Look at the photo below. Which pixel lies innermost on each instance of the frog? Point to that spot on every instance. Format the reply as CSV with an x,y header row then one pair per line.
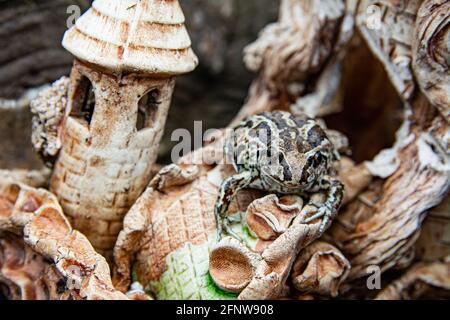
x,y
281,153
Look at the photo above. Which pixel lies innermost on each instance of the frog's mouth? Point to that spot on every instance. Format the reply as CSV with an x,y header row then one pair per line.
x,y
269,177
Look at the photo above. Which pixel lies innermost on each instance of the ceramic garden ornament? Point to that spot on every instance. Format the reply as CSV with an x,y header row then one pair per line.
x,y
127,54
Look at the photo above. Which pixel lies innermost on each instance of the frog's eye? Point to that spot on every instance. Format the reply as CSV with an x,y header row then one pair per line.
x,y
317,160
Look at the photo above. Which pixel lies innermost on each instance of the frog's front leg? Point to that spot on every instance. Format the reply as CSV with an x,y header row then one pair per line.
x,y
228,190
329,208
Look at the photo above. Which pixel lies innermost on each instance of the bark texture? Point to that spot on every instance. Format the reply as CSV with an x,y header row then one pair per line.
x,y
30,38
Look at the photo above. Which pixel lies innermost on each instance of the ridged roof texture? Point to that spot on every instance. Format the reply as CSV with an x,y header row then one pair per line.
x,y
146,36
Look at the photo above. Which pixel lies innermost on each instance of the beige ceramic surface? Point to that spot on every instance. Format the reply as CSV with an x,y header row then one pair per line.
x,y
129,35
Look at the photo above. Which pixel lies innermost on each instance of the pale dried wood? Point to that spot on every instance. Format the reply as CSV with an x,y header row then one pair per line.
x,y
431,53
423,280
291,53
386,238
387,27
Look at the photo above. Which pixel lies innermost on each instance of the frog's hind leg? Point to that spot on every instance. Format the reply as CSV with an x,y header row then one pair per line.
x,y
329,208
227,192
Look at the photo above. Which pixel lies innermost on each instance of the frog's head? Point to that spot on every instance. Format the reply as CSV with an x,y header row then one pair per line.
x,y
316,155
304,156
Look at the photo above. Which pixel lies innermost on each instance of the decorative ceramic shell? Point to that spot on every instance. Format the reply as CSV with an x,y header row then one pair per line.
x,y
145,36
320,269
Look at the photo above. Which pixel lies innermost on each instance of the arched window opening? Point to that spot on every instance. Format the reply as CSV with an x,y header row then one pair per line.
x,y
83,104
147,109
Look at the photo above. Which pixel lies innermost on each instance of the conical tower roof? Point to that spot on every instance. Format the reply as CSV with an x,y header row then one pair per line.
x,y
145,36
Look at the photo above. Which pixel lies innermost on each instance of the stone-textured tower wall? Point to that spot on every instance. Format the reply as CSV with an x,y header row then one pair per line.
x,y
128,52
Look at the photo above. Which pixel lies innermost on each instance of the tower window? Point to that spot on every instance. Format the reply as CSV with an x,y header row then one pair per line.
x,y
83,101
148,109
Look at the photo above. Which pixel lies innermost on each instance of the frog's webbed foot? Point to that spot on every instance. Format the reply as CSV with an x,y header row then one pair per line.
x,y
226,226
328,210
227,192
322,212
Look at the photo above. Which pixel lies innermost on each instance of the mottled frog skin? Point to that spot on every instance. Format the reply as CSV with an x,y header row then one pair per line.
x,y
284,154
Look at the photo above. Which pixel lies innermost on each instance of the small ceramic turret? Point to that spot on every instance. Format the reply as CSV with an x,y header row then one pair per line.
x,y
126,56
